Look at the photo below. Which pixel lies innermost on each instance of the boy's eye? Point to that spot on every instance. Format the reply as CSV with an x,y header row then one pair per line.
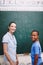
x,y
33,35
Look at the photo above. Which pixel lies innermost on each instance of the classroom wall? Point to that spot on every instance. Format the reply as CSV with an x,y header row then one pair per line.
x,y
26,22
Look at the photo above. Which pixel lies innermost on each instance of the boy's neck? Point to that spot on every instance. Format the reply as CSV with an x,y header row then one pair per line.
x,y
36,40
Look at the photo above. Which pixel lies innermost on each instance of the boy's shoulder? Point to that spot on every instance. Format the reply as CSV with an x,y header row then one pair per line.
x,y
37,44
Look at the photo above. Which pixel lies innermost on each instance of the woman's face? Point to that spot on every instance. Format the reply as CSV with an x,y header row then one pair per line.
x,y
12,28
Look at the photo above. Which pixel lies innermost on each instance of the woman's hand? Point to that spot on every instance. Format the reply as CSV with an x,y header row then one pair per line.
x,y
12,63
17,62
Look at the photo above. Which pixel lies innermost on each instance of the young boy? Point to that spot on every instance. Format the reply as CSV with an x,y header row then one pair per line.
x,y
36,48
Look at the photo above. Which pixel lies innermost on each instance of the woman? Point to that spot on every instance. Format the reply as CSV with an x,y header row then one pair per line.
x,y
9,45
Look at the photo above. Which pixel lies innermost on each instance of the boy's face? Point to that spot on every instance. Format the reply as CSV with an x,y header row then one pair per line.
x,y
34,36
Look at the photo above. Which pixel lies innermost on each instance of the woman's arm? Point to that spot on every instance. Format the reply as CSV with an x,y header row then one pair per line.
x,y
17,62
5,47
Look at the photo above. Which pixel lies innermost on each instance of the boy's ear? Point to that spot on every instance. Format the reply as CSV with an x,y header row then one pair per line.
x,y
38,36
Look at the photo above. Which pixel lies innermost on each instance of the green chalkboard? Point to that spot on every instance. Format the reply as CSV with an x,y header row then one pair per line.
x,y
26,21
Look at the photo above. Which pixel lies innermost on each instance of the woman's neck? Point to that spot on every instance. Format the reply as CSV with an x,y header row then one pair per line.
x,y
10,32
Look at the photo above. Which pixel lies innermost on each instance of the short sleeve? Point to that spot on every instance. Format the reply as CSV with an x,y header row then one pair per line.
x,y
36,49
5,39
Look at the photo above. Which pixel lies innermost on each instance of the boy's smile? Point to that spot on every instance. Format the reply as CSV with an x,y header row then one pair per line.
x,y
34,36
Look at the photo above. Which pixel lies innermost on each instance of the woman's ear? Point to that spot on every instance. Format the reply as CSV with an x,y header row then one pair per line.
x,y
8,27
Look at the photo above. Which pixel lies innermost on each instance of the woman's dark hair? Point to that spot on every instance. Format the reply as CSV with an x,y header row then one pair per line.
x,y
11,23
35,31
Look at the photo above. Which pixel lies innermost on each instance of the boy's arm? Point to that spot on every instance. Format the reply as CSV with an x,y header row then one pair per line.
x,y
36,59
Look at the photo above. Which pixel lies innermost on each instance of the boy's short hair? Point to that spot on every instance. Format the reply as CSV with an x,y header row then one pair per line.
x,y
35,31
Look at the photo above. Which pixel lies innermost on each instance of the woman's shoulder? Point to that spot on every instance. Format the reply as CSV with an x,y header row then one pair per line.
x,y
5,35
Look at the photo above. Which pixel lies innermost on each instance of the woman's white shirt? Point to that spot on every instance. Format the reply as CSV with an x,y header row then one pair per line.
x,y
12,44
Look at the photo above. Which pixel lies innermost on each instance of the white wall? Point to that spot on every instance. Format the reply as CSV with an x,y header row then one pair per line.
x,y
21,5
